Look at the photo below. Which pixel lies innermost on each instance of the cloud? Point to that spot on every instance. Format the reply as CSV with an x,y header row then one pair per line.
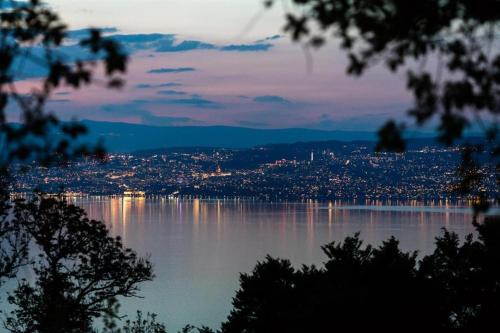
x,y
139,42
325,121
249,123
142,38
268,39
59,100
160,85
71,51
169,84
172,92
271,99
144,86
146,117
33,69
196,102
83,33
187,45
163,43
140,101
171,70
12,4
247,47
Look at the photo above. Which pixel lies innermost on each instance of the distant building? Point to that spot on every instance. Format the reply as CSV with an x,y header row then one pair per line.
x,y
219,173
134,194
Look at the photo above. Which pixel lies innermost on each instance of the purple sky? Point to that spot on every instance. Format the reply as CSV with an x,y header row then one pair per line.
x,y
216,71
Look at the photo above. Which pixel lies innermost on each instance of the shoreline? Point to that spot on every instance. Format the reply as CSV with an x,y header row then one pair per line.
x,y
338,201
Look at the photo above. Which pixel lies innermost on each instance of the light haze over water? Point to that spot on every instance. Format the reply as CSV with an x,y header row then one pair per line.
x,y
198,247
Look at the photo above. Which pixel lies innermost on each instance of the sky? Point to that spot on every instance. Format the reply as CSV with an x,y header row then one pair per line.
x,y
223,62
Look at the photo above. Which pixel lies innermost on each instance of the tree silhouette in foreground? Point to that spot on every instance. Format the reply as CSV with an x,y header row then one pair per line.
x,y
141,324
148,324
13,242
31,33
80,270
361,288
450,52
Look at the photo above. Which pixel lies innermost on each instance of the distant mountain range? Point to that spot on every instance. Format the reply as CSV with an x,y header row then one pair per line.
x,y
124,137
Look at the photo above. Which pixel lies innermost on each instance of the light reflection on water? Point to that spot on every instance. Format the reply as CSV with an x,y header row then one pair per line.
x,y
198,247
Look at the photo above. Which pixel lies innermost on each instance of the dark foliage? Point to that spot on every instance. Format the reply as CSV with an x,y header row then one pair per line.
x,y
149,324
13,242
449,49
31,25
361,288
141,324
31,32
194,329
79,271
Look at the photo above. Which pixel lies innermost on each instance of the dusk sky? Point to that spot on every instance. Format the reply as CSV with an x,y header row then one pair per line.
x,y
203,62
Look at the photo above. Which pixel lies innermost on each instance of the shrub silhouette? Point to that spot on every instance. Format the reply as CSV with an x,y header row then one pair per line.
x,y
456,288
79,270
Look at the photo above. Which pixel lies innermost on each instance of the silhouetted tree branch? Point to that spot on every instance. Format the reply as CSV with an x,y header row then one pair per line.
x,y
31,32
80,270
24,27
450,52
13,242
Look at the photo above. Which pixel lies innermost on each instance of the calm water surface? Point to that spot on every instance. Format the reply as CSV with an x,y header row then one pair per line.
x,y
198,247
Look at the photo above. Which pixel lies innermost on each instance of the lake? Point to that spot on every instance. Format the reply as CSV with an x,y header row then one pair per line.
x,y
198,247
